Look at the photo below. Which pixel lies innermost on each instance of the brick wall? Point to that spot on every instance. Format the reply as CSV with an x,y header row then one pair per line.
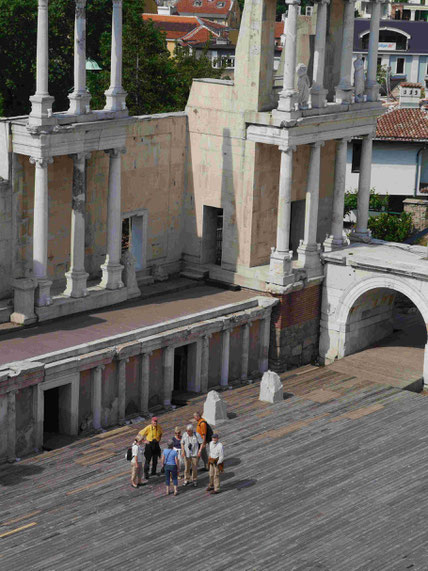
x,y
418,208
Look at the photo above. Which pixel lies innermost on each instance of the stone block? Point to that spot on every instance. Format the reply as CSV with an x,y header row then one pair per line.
x,y
271,388
215,409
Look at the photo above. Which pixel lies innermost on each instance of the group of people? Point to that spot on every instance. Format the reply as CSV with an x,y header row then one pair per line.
x,y
183,450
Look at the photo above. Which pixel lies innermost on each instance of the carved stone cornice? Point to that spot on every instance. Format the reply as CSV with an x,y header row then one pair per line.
x,y
41,163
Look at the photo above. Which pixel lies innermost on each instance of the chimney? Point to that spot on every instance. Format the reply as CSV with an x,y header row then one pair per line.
x,y
410,94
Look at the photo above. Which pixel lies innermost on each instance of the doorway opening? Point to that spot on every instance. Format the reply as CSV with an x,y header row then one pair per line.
x,y
133,238
56,417
186,373
212,235
180,369
51,411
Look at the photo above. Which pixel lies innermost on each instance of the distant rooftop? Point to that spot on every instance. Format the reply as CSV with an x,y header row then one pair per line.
x,y
403,125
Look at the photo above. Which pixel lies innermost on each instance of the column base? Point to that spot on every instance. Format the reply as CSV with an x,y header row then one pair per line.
x,y
365,237
344,95
280,272
309,258
115,99
41,110
318,98
112,276
332,243
23,301
43,292
372,91
76,284
79,103
287,100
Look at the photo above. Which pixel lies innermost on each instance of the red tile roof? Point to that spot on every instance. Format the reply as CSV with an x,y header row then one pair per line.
x,y
409,84
212,7
175,27
279,30
403,125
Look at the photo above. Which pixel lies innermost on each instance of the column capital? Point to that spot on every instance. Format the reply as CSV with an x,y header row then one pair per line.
x,y
79,157
323,2
117,3
99,368
41,162
115,152
80,8
42,4
292,2
12,393
317,144
344,140
288,149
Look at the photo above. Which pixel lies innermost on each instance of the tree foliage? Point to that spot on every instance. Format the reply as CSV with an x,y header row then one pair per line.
x,y
378,203
391,227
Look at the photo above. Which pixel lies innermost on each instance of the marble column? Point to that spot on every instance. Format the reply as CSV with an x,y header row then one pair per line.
x,y
281,256
362,233
41,101
318,93
264,343
116,95
309,250
168,375
372,86
344,90
245,350
97,375
336,239
144,383
112,269
121,389
205,362
80,98
11,426
76,276
288,95
225,356
40,231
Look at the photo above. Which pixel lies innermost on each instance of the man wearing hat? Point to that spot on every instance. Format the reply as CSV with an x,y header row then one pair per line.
x,y
152,434
215,463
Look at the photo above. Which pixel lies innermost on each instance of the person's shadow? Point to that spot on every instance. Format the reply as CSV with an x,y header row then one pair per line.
x,y
17,473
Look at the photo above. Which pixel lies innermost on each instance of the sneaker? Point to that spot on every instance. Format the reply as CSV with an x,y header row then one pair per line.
x,y
195,484
186,483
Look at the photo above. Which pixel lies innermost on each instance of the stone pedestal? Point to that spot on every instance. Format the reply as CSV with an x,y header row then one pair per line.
x,y
23,301
271,388
215,409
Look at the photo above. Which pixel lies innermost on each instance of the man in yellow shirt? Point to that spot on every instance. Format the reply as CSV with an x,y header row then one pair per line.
x,y
152,434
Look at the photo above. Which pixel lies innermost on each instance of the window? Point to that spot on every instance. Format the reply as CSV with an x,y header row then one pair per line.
x,y
356,156
220,4
309,10
197,3
400,66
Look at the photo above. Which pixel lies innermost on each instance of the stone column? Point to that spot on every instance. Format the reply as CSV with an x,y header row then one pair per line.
x,y
264,343
336,239
309,249
112,269
225,354
40,231
41,101
121,389
281,256
116,95
362,233
288,95
372,86
97,376
11,426
74,404
76,276
344,89
168,375
144,383
205,362
245,350
80,98
318,93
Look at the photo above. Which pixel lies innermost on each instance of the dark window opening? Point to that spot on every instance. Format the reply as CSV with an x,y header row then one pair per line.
x,y
51,412
219,238
387,36
356,156
180,369
126,234
400,66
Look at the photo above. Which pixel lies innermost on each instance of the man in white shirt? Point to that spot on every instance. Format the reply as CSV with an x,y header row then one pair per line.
x,y
137,461
215,463
190,443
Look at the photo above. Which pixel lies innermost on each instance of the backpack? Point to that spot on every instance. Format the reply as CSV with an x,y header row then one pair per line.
x,y
128,455
210,433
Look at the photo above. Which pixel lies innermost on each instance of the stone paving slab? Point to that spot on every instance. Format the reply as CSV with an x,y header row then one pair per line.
x,y
88,327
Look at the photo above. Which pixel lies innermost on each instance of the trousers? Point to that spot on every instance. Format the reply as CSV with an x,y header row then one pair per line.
x,y
214,477
190,464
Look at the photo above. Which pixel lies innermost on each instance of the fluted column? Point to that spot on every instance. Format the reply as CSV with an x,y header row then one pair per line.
x,y
144,383
41,101
264,343
121,388
309,249
336,239
362,233
225,356
76,276
116,95
11,426
40,231
97,375
80,98
372,86
288,95
205,362
281,256
245,350
168,375
318,93
112,269
344,89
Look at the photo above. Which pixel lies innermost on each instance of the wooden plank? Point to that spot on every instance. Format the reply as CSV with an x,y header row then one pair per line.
x,y
22,528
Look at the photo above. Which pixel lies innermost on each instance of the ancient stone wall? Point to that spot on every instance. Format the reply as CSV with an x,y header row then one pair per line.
x,y
418,208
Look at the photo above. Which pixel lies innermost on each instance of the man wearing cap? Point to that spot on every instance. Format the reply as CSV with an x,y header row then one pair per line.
x,y
215,463
152,434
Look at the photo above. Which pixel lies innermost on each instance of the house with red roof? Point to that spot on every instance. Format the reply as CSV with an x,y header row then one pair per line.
x,y
226,12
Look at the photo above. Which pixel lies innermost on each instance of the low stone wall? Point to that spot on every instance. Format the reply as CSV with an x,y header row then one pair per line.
x,y
418,208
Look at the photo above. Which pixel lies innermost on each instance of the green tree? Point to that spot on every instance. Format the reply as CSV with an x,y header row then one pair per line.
x,y
391,227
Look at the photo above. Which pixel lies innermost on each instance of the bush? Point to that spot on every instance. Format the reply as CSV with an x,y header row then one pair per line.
x,y
391,227
377,203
